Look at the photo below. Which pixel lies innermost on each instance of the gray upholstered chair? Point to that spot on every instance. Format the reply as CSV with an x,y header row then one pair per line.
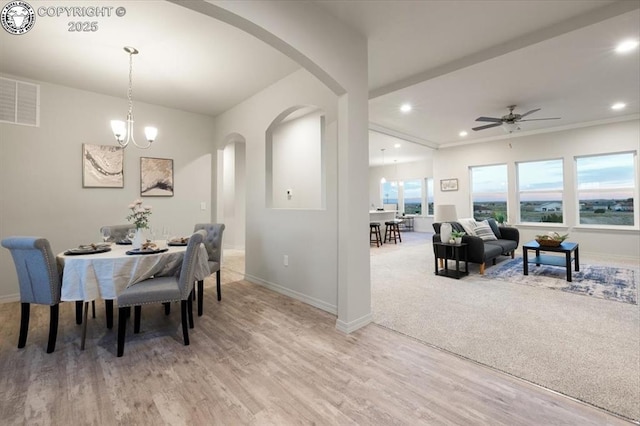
x,y
39,279
213,243
161,290
118,232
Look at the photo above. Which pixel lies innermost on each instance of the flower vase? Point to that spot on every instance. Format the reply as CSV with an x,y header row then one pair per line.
x,y
136,244
458,240
445,232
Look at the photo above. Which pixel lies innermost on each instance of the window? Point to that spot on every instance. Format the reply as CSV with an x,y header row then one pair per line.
x,y
389,192
540,186
412,195
606,186
489,191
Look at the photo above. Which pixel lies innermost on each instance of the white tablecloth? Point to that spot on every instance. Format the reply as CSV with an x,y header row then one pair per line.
x,y
105,275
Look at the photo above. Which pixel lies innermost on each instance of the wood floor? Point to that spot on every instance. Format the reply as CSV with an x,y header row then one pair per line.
x,y
256,358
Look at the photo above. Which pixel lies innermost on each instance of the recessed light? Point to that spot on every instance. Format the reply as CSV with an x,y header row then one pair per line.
x,y
618,106
463,133
397,145
406,108
626,46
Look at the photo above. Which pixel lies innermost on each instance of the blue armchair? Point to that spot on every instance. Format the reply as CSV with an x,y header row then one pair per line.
x,y
39,280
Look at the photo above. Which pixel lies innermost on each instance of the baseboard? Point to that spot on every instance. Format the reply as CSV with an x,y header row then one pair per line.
x,y
10,298
350,327
332,309
587,254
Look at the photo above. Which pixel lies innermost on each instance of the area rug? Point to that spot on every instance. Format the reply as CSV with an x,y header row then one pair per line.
x,y
615,283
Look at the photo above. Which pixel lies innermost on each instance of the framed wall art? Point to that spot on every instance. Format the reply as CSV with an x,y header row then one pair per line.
x,y
102,166
156,177
448,184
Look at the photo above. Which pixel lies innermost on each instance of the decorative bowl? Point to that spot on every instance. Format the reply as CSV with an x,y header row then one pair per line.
x,y
548,243
552,239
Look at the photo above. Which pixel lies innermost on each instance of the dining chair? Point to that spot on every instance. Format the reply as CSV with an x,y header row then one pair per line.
x,y
117,232
39,280
213,243
161,290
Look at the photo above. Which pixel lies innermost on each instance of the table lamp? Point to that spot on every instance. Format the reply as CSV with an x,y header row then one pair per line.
x,y
445,213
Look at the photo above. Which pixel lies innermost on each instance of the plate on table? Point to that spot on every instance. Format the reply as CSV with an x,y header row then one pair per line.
x,y
147,251
123,242
88,249
178,242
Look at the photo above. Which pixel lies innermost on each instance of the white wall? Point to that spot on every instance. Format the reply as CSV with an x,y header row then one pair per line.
x,y
233,194
337,55
308,237
41,172
623,136
297,163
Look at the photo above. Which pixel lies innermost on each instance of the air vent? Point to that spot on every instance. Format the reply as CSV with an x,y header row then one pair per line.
x,y
19,102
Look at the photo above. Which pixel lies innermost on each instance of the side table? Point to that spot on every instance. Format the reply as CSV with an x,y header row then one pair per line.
x,y
458,253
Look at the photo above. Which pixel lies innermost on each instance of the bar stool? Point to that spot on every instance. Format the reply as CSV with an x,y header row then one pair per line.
x,y
392,232
374,234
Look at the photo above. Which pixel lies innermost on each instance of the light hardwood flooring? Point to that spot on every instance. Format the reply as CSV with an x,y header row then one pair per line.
x,y
256,358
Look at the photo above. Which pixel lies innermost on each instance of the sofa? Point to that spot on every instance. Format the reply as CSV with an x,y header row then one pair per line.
x,y
482,246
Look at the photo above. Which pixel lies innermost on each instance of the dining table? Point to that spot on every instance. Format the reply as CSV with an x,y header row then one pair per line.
x,y
103,273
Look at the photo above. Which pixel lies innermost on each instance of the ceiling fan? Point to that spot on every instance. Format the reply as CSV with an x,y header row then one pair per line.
x,y
510,120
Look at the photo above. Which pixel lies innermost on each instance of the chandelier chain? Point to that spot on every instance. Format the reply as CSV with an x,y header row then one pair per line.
x,y
130,92
123,131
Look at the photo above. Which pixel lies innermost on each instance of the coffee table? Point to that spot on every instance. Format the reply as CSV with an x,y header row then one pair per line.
x,y
567,248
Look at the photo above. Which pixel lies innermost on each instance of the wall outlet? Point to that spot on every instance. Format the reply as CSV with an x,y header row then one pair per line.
x,y
203,206
285,260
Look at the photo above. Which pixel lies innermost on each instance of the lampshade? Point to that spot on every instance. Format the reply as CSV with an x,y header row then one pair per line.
x,y
446,213
151,133
119,129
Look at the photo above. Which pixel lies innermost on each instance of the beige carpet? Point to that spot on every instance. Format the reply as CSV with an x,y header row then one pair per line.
x,y
581,346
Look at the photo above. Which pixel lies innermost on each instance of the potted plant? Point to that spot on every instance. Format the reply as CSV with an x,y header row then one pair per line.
x,y
457,236
500,217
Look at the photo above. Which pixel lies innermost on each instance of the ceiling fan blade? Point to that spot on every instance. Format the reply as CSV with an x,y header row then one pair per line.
x,y
538,119
529,112
487,126
490,119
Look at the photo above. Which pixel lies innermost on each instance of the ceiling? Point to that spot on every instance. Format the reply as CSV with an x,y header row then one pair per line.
x,y
453,61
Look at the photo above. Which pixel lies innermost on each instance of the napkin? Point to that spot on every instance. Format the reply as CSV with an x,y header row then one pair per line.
x,y
94,246
149,246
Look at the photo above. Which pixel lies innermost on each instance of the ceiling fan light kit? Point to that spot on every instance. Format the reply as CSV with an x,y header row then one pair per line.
x,y
509,122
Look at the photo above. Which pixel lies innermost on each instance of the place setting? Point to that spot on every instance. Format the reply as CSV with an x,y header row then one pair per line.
x,y
178,241
92,248
148,247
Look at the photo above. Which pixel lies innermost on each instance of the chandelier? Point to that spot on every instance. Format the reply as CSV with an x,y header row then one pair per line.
x,y
122,130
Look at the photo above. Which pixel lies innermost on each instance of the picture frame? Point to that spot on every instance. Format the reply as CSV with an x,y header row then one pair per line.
x,y
102,166
156,177
449,184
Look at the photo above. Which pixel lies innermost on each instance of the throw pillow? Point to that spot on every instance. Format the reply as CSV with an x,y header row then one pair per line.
x,y
468,224
483,230
494,227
